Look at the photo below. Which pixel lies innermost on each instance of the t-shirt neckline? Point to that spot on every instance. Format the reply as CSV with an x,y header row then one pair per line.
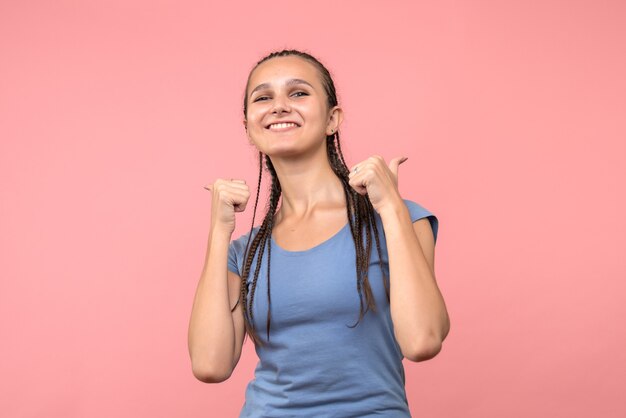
x,y
321,245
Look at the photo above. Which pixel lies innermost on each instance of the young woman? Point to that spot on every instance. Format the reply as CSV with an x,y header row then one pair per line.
x,y
337,284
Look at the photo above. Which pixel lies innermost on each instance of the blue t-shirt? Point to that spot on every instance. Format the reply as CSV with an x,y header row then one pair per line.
x,y
314,365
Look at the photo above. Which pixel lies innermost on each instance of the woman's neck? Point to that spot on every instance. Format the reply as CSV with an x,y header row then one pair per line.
x,y
307,184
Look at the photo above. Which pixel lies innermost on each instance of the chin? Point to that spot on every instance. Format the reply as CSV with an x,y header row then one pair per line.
x,y
283,152
290,147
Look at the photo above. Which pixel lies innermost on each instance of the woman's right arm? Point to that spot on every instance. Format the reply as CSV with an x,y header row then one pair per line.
x,y
216,334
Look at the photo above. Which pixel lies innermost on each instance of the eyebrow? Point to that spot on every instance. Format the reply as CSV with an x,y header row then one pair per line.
x,y
290,82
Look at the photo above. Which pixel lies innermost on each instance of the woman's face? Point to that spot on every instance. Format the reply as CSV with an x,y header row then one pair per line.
x,y
287,107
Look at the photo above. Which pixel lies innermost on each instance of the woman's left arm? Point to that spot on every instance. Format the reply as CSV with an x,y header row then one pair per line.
x,y
418,311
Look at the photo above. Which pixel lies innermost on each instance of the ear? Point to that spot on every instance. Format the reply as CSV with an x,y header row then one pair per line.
x,y
334,121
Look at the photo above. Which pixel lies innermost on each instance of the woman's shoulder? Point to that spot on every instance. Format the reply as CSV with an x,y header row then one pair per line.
x,y
242,239
416,208
237,248
417,211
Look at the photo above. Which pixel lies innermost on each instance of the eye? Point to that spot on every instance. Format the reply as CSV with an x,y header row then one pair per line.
x,y
260,98
301,93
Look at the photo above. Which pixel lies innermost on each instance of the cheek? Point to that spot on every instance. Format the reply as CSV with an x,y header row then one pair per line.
x,y
322,113
317,114
255,120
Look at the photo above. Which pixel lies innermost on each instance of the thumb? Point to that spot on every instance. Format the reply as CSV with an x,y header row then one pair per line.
x,y
395,163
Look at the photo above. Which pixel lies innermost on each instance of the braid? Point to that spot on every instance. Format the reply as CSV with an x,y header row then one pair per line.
x,y
371,211
364,211
249,255
244,286
359,208
262,238
275,195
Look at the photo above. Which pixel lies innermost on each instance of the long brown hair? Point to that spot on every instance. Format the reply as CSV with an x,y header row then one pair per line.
x,y
360,214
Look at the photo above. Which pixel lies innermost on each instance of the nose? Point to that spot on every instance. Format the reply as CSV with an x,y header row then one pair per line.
x,y
280,105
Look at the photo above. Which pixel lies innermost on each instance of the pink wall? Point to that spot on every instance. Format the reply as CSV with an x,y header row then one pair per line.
x,y
113,116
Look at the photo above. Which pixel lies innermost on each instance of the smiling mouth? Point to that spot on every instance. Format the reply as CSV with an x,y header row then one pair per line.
x,y
283,126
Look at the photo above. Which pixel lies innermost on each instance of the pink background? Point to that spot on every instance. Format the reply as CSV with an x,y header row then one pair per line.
x,y
114,114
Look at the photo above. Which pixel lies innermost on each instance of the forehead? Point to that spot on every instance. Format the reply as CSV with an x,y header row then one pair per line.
x,y
279,69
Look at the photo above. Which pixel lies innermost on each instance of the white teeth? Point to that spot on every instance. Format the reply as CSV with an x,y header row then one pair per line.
x,y
282,125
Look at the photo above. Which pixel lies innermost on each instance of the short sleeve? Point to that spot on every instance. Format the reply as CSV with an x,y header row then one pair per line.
x,y
232,258
236,250
418,212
